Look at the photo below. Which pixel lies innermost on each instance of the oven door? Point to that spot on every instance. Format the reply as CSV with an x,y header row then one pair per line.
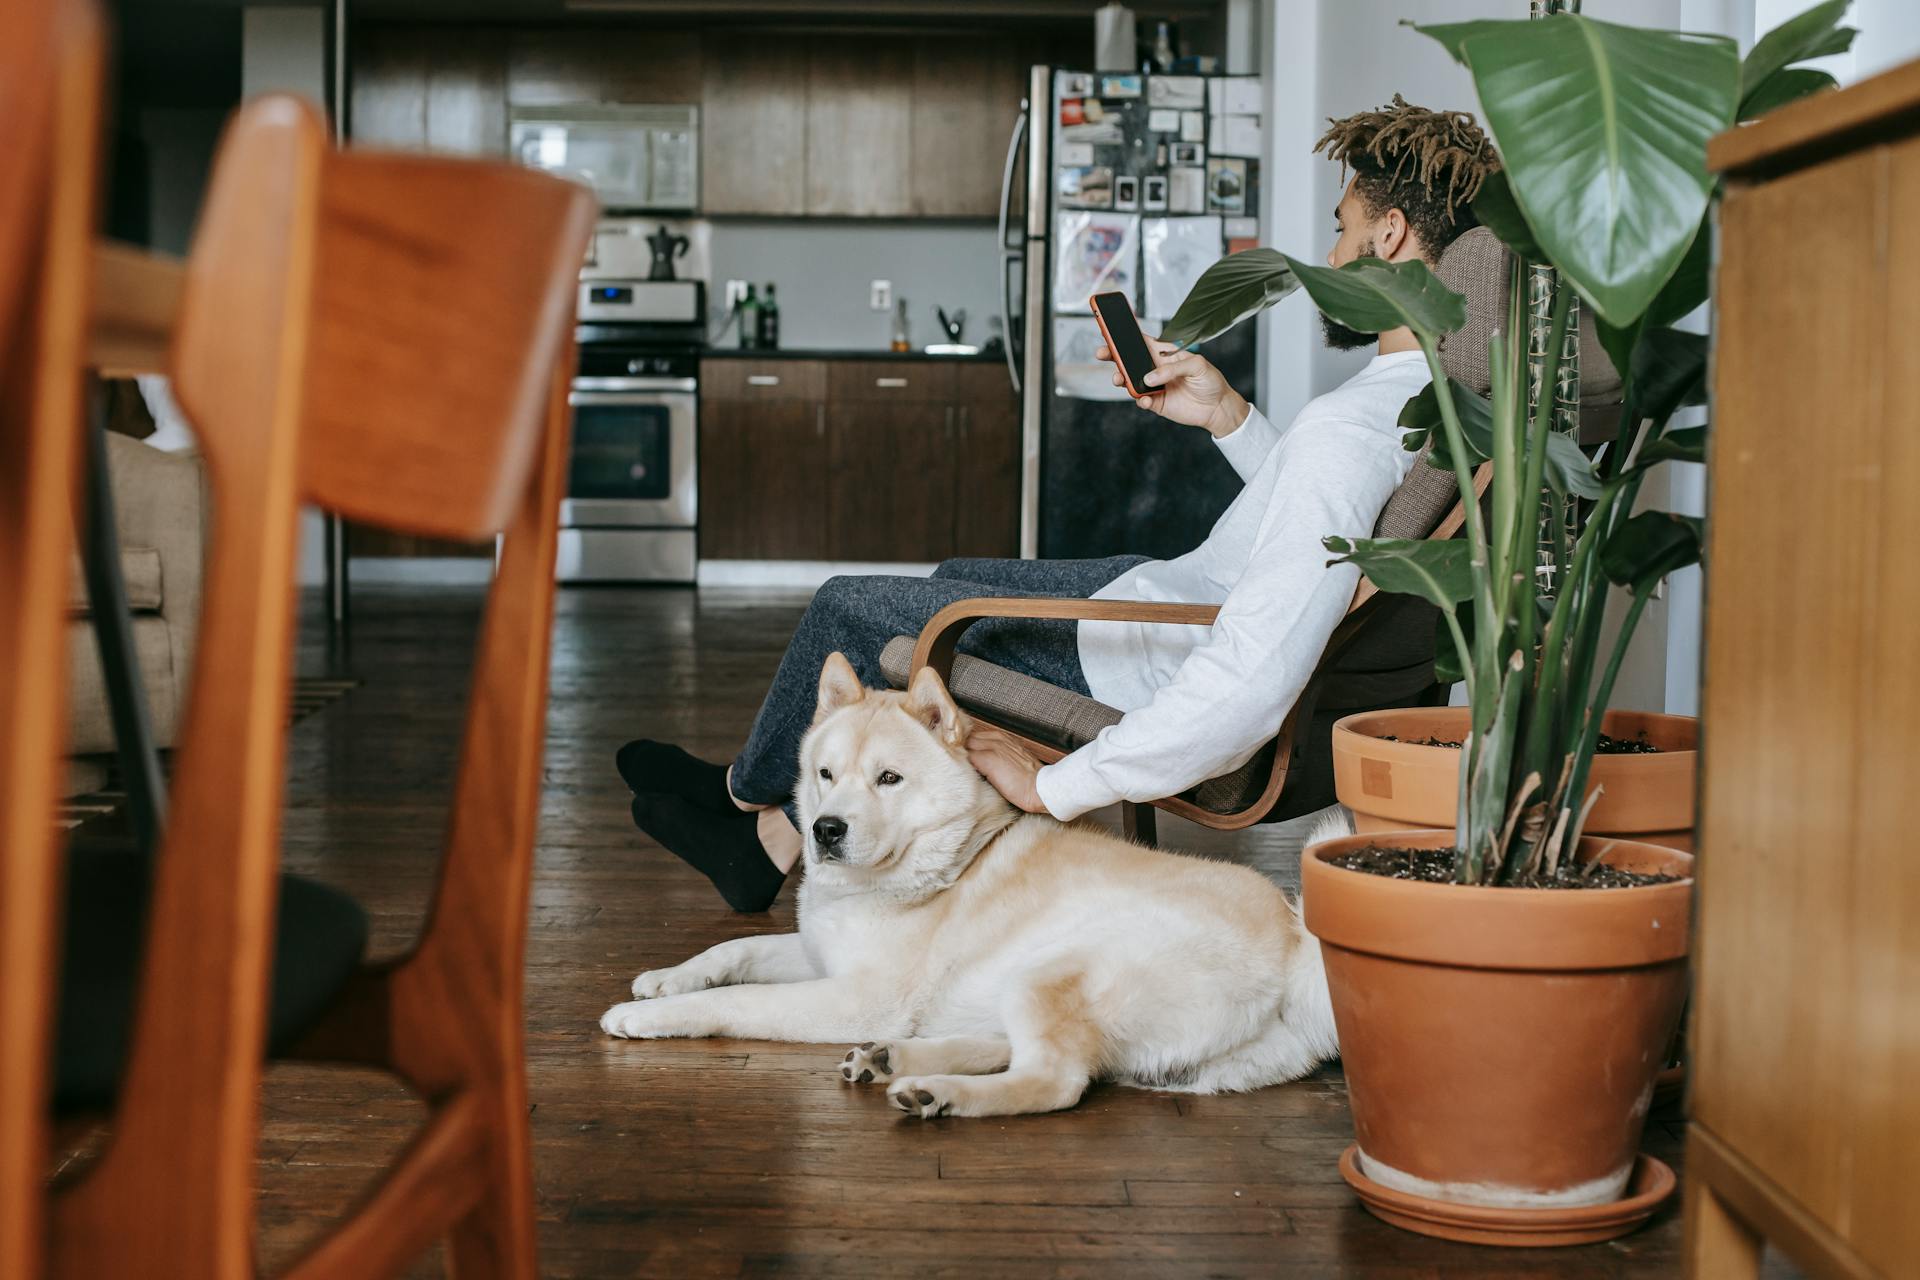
x,y
633,463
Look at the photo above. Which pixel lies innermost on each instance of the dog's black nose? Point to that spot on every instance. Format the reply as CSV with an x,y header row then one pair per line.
x,y
828,832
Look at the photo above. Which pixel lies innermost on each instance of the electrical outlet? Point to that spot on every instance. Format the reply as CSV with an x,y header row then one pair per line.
x,y
736,290
881,298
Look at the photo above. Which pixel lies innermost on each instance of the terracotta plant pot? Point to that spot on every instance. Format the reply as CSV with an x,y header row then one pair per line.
x,y
1398,786
1501,1045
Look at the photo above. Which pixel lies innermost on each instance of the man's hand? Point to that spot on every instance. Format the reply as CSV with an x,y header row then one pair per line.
x,y
1193,392
1009,766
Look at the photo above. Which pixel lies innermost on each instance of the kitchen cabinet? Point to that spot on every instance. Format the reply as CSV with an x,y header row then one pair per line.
x,y
753,125
966,95
986,473
432,89
554,67
884,460
859,141
764,461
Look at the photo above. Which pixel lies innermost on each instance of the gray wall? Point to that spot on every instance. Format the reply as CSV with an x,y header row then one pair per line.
x,y
823,270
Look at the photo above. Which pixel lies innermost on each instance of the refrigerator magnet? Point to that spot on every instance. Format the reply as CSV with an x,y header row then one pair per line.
x,y
1185,153
1075,154
1187,191
1154,193
1071,111
1177,91
1227,184
1087,187
1119,86
1126,192
1193,126
1074,84
1163,120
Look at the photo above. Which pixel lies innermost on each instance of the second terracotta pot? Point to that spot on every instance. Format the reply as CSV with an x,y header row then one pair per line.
x,y
1401,785
1501,1045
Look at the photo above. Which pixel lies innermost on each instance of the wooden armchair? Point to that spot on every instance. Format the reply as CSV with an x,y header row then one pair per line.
x,y
322,286
1380,656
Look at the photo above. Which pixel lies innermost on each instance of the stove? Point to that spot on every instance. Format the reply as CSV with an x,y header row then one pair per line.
x,y
631,509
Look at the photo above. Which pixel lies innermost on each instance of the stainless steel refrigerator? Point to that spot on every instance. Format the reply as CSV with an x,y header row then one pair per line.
x,y
1136,183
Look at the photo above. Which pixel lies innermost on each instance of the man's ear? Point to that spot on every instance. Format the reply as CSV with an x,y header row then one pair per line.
x,y
1396,242
839,686
931,704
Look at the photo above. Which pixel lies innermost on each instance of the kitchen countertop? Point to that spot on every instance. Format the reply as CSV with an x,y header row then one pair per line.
x,y
842,353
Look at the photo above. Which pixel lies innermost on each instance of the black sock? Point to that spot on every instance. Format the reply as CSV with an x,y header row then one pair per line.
x,y
660,768
723,847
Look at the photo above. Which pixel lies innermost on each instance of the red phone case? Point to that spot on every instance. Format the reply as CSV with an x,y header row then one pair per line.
x,y
1125,377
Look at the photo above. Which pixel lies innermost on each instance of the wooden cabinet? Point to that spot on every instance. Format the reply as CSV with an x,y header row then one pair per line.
x,y
551,66
1805,1123
764,461
753,125
986,473
859,139
432,89
887,460
966,96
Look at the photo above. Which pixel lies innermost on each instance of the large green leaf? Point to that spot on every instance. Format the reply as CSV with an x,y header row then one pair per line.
x,y
1789,84
1603,129
1493,205
1439,571
1372,296
1683,444
1811,34
1566,469
1239,285
1649,547
1669,372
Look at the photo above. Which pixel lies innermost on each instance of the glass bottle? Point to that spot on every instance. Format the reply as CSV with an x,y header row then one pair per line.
x,y
769,328
901,340
749,321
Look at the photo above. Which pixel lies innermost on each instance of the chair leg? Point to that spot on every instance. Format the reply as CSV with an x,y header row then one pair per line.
x,y
495,1240
1139,821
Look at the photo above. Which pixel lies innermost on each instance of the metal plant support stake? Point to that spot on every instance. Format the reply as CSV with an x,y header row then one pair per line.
x,y
1543,284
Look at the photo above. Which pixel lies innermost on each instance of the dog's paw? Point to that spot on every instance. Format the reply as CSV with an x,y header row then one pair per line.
x,y
925,1098
676,981
636,1020
868,1064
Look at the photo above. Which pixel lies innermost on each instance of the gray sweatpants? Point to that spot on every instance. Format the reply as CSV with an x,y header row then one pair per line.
x,y
858,615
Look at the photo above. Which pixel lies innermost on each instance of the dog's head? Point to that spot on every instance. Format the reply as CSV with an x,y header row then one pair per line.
x,y
885,790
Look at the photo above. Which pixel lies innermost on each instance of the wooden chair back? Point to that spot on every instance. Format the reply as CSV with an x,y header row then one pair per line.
x,y
327,298
50,66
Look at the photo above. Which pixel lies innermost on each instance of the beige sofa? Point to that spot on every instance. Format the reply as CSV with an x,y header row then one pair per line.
x,y
160,509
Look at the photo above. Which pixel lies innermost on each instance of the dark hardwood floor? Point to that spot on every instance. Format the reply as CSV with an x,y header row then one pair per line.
x,y
712,1158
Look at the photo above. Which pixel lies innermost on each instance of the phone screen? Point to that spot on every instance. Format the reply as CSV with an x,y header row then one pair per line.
x,y
1123,331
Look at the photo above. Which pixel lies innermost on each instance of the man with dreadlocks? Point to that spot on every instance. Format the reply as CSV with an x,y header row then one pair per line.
x,y
1197,701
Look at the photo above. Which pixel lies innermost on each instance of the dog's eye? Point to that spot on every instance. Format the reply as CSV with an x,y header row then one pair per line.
x,y
827,774
888,777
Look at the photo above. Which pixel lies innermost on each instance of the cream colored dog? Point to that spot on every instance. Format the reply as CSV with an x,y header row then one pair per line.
x,y
994,962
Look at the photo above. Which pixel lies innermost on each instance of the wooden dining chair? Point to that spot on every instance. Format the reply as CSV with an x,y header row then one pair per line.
x,y
49,95
387,337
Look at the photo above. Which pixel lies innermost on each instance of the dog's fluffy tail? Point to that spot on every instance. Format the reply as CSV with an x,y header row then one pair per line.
x,y
1331,825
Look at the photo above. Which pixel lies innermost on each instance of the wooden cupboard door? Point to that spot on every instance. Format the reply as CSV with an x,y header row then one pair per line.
x,y
553,67
764,493
859,117
753,126
986,479
966,96
431,89
892,481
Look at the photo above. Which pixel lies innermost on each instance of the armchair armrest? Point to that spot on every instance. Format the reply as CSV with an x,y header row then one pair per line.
x,y
941,636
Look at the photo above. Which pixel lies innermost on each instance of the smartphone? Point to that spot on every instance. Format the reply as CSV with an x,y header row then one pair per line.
x,y
1124,339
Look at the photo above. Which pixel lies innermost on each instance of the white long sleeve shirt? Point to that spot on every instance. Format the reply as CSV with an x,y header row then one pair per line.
x,y
1199,701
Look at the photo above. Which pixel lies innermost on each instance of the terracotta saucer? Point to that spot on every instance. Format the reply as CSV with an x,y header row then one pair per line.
x,y
1652,1182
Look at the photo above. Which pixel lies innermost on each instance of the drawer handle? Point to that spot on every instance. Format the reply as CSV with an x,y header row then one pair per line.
x,y
763,379
889,382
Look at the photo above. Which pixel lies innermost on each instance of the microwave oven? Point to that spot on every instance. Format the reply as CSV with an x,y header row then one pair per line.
x,y
632,157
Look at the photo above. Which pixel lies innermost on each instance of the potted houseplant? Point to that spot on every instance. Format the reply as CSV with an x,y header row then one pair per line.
x,y
1502,1015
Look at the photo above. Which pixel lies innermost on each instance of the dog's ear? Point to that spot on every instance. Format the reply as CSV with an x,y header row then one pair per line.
x,y
931,704
839,686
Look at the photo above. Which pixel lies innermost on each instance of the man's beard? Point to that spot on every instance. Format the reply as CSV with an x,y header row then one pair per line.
x,y
1338,336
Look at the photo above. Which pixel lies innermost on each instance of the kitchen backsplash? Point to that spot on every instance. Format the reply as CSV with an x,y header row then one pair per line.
x,y
823,271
